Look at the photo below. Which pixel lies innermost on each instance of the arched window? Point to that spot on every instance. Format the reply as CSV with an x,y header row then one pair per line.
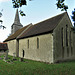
x,y
71,43
28,43
67,41
62,36
70,38
37,43
66,35
62,43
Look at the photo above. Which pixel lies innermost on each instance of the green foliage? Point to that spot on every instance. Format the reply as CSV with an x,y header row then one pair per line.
x,y
29,67
1,20
73,16
1,26
21,13
60,4
0,14
18,4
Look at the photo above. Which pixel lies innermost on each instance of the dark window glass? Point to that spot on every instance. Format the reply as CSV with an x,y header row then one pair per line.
x,y
28,43
37,43
23,53
62,36
66,35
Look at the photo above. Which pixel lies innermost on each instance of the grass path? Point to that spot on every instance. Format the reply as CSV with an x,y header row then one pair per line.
x,y
29,67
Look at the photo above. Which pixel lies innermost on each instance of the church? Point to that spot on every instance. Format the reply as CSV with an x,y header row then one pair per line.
x,y
51,40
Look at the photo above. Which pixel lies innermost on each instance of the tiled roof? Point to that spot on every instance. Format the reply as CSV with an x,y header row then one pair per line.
x,y
3,46
43,27
17,33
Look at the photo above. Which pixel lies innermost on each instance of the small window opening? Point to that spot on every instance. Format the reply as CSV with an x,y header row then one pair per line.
x,y
37,43
23,53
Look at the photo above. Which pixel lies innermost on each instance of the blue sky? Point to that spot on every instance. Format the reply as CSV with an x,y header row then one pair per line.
x,y
35,10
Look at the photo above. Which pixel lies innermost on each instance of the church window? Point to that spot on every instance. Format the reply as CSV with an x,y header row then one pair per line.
x,y
70,38
67,48
66,35
62,43
37,43
62,36
71,43
23,53
28,43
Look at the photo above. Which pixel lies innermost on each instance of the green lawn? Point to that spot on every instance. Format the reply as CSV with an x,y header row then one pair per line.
x,y
29,67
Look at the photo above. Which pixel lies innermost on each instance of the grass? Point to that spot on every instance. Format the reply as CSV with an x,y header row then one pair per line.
x,y
29,67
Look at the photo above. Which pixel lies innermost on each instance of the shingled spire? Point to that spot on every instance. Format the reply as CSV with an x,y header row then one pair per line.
x,y
16,25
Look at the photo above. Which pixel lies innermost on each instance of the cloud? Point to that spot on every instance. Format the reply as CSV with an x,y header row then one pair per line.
x,y
4,0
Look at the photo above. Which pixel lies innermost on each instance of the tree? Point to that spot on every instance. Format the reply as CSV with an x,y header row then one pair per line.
x,y
19,4
73,16
16,4
1,20
60,4
1,26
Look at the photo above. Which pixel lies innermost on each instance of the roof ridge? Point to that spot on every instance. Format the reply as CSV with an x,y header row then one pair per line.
x,y
39,28
51,18
22,28
44,26
17,33
25,30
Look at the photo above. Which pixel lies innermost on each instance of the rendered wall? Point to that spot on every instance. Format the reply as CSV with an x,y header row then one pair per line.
x,y
73,45
12,47
43,53
63,52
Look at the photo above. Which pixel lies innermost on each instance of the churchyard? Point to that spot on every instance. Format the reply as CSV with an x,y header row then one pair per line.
x,y
18,66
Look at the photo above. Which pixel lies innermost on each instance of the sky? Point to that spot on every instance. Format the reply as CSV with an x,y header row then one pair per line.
x,y
35,10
